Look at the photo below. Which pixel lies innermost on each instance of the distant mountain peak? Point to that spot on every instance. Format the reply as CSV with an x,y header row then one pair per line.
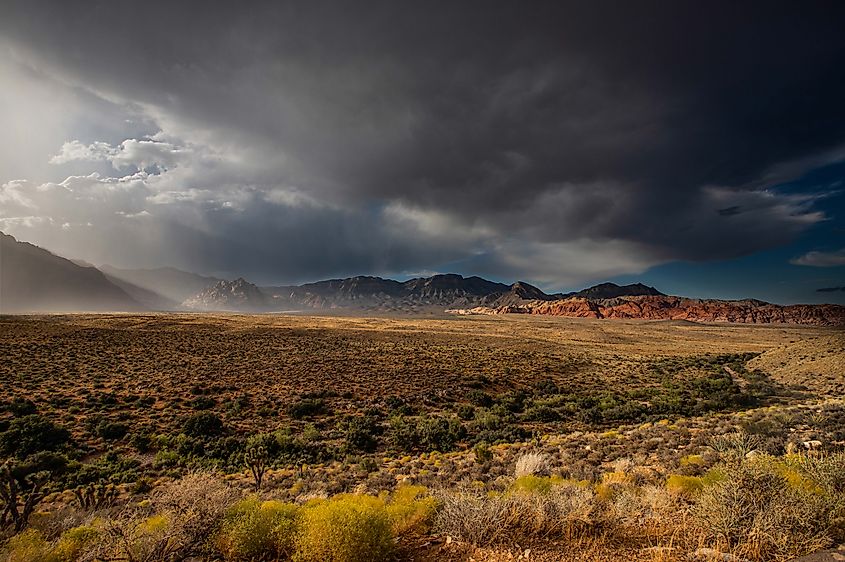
x,y
237,295
529,292
612,290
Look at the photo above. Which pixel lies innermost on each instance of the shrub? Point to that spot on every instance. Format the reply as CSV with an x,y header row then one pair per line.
x,y
360,434
178,523
480,398
428,433
759,511
482,453
438,433
402,434
74,541
203,403
141,442
531,463
307,408
465,412
528,483
692,460
411,508
203,424
684,485
112,430
256,530
30,434
541,413
20,407
346,528
484,519
29,546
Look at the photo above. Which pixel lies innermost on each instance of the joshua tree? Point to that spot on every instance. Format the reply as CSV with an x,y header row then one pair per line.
x,y
20,495
256,460
95,496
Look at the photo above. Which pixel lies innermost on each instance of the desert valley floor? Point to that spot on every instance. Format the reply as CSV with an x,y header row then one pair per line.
x,y
356,404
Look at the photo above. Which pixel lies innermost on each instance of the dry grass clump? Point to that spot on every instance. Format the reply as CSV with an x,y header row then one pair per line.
x,y
531,464
768,508
177,523
559,509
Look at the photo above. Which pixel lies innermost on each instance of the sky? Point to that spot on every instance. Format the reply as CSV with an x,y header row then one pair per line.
x,y
698,147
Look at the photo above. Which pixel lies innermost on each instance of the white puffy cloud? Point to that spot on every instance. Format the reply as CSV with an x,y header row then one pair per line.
x,y
75,150
140,154
821,259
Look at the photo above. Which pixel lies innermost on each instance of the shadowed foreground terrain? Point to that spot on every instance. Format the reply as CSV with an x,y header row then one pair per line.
x,y
165,437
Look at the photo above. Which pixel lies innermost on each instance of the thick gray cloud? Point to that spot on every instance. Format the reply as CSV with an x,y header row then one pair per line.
x,y
561,142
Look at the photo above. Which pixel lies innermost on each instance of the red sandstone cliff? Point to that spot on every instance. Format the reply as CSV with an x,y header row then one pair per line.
x,y
679,308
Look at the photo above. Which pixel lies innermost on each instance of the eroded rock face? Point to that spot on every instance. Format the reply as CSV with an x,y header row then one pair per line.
x,y
679,308
237,295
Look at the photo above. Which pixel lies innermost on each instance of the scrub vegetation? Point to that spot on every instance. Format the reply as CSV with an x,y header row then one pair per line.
x,y
171,437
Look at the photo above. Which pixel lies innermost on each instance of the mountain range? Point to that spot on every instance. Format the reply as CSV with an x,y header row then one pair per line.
x,y
35,280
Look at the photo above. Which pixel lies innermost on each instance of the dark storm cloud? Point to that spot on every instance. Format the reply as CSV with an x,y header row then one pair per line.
x,y
658,126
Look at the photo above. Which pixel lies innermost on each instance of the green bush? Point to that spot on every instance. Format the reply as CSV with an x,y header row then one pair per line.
x,y
112,430
427,433
203,403
480,398
530,484
541,413
465,412
203,424
402,434
437,433
684,485
30,434
20,407
482,453
347,528
142,442
307,408
410,508
360,434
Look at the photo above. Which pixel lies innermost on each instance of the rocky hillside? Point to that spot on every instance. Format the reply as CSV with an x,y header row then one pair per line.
x,y
35,280
238,295
676,308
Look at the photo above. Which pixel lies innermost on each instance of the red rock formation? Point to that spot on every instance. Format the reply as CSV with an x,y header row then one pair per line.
x,y
696,310
679,308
